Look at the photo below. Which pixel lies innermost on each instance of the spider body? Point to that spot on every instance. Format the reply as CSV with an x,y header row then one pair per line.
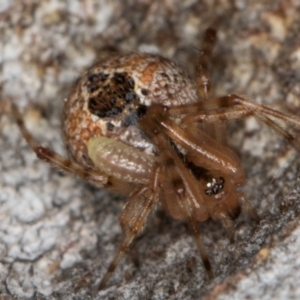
x,y
110,123
139,125
102,114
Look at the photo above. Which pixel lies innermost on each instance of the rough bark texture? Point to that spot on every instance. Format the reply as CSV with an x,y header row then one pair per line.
x,y
55,228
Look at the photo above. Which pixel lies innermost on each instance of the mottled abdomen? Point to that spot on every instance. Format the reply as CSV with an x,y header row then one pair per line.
x,y
111,97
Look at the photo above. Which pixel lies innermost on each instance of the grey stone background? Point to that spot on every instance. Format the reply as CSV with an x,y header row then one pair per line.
x,y
55,228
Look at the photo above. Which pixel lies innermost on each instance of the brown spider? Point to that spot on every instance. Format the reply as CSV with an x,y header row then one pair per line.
x,y
140,126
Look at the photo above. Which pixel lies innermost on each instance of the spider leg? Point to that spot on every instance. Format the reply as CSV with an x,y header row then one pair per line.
x,y
133,219
211,156
204,57
235,107
265,110
228,224
216,115
216,130
227,221
281,131
183,194
185,191
197,238
56,160
248,207
228,108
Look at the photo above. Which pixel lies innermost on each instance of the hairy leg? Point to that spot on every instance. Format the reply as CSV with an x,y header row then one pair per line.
x,y
235,107
56,160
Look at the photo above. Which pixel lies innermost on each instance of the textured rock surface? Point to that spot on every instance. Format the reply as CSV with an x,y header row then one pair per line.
x,y
54,228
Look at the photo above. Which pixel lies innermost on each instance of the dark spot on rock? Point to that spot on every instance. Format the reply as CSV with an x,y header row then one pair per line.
x,y
166,85
141,110
145,92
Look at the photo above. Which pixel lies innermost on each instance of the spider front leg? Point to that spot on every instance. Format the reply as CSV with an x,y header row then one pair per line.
x,y
204,86
235,107
203,63
87,173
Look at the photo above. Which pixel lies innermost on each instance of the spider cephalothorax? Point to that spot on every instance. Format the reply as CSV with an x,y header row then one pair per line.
x,y
140,126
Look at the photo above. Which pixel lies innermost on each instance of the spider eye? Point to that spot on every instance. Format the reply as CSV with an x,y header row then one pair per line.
x,y
214,186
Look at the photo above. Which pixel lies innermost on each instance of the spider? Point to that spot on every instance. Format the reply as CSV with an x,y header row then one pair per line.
x,y
138,125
